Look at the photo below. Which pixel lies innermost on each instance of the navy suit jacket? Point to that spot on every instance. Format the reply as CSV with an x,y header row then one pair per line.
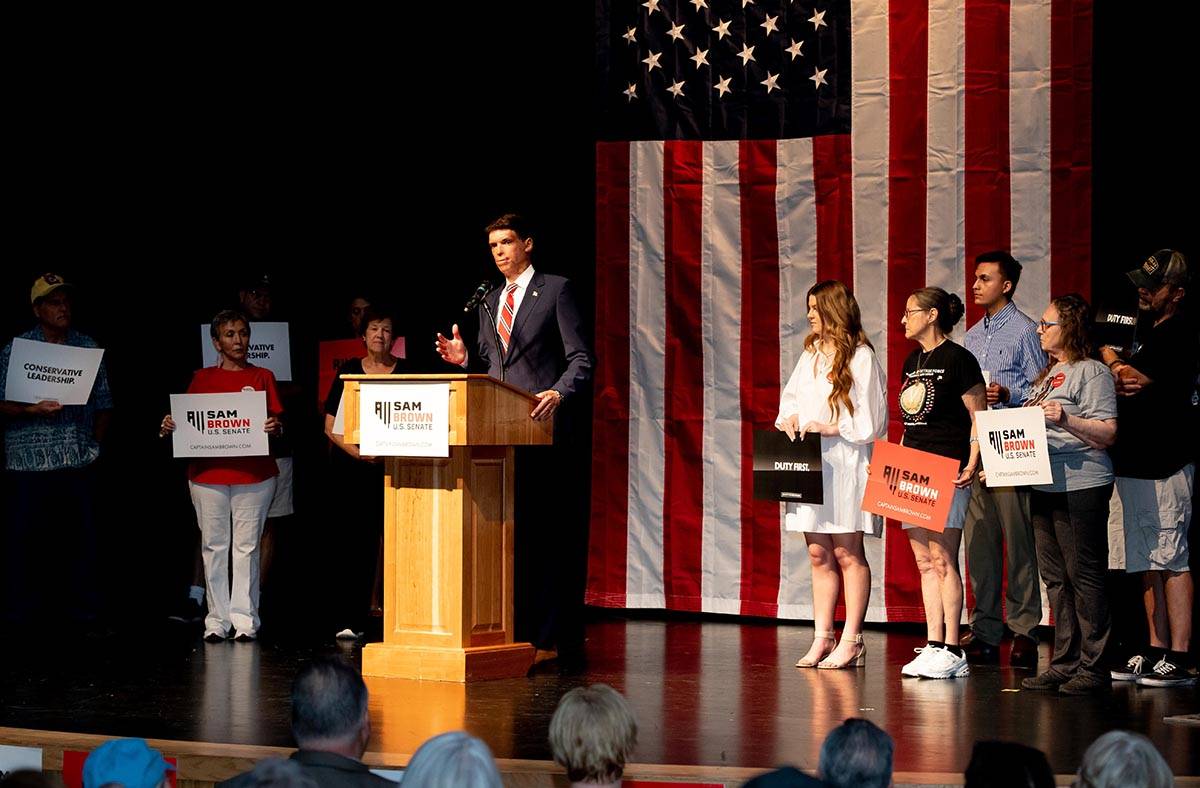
x,y
548,348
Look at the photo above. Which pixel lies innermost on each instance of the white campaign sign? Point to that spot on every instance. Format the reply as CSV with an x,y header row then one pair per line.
x,y
270,348
44,370
14,758
404,419
1013,446
220,425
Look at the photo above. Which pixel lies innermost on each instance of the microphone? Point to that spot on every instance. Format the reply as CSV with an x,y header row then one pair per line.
x,y
477,296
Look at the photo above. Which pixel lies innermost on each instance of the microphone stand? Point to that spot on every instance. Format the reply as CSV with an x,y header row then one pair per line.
x,y
496,334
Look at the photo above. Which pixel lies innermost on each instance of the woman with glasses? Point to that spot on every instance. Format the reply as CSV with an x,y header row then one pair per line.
x,y
836,395
1070,515
940,392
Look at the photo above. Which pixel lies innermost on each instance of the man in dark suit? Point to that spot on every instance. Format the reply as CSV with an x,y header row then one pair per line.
x,y
331,728
537,342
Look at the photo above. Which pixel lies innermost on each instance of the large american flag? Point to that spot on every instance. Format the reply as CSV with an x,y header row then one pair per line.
x,y
750,148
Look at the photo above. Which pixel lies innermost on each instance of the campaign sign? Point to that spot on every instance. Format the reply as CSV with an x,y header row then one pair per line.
x,y
48,371
331,356
787,470
911,486
1013,447
15,759
219,425
404,419
270,348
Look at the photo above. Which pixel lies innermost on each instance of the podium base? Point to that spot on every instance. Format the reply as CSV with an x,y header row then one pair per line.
x,y
480,663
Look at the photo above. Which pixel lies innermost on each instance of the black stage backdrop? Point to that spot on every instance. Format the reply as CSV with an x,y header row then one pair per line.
x,y
156,162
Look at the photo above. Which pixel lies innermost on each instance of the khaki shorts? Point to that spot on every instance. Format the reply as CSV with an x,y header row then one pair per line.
x,y
1157,513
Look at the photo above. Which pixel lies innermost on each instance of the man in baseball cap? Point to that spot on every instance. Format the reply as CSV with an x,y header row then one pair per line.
x,y
49,451
1153,463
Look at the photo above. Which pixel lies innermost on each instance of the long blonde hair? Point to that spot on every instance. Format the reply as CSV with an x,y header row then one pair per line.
x,y
841,326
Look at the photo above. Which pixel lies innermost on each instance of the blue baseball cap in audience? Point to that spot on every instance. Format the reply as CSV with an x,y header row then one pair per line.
x,y
129,762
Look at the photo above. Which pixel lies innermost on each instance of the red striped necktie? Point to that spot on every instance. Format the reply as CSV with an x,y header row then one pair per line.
x,y
506,317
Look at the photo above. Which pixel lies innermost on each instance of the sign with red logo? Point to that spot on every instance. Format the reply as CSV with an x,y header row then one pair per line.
x,y
331,356
72,768
912,486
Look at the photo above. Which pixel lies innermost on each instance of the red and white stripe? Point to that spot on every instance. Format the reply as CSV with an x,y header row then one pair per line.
x,y
971,132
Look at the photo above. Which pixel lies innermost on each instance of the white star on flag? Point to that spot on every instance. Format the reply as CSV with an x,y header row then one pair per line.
x,y
770,24
722,29
700,58
652,61
631,91
794,49
818,77
747,54
722,86
700,4
676,88
631,35
818,19
676,32
651,4
770,82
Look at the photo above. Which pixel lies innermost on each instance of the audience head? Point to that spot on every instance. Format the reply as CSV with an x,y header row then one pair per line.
x,y
329,709
280,773
452,760
857,753
1125,759
1001,764
592,733
127,762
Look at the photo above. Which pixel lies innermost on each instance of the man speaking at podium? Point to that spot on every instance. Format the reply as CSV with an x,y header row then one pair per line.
x,y
536,341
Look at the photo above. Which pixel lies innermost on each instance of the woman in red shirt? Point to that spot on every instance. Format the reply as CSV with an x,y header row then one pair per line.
x,y
232,494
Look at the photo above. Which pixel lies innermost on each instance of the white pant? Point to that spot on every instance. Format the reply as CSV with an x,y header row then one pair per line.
x,y
245,505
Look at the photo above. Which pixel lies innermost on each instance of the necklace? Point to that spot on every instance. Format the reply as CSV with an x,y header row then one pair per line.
x,y
928,355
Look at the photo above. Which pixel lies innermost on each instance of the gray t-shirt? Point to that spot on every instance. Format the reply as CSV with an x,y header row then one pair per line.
x,y
1085,389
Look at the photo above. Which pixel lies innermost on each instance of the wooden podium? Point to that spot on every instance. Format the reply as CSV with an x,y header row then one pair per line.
x,y
448,537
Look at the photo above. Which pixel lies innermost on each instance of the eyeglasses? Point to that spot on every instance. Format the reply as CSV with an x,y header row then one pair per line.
x,y
1044,324
908,312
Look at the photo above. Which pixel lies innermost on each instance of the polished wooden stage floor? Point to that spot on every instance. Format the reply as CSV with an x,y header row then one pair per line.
x,y
717,693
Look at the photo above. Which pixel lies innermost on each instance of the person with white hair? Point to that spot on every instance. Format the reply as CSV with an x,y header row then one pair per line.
x,y
1122,759
452,760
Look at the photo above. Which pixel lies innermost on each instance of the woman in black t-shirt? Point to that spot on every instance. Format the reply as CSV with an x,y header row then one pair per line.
x,y
358,481
941,389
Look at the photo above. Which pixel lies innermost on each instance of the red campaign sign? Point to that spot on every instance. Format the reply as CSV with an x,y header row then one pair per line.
x,y
911,486
72,769
332,355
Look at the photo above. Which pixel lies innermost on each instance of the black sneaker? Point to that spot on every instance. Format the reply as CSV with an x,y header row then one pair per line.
x,y
1051,680
1168,672
1133,669
1085,684
190,612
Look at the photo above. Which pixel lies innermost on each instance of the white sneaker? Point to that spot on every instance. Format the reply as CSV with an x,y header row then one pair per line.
x,y
348,634
914,668
943,663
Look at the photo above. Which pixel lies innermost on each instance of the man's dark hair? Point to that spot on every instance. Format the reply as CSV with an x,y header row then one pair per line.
x,y
511,221
226,316
1010,269
329,699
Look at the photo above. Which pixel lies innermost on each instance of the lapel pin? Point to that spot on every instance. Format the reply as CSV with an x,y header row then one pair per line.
x,y
534,294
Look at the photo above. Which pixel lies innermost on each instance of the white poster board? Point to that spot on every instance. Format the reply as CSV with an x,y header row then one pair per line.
x,y
270,348
14,759
1013,446
220,425
404,419
48,371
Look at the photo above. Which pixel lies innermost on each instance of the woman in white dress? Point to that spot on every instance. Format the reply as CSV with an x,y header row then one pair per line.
x,y
836,392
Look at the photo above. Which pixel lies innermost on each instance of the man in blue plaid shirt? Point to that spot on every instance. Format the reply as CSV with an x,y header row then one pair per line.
x,y
1005,343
